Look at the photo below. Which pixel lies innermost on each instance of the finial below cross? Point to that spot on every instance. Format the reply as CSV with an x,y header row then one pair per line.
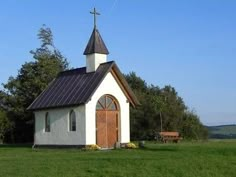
x,y
94,14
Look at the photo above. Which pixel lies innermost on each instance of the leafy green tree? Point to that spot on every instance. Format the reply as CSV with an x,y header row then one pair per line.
x,y
32,79
5,125
192,127
161,109
137,115
136,82
173,110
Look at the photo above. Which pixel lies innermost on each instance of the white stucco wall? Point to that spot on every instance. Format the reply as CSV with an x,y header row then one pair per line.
x,y
111,87
94,60
59,130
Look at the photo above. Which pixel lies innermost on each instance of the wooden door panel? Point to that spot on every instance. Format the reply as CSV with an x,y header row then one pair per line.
x,y
111,128
107,128
101,125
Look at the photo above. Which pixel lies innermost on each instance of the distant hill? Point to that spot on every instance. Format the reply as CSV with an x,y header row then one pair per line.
x,y
222,131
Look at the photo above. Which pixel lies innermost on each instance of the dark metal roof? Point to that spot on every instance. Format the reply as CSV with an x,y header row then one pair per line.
x,y
75,87
96,44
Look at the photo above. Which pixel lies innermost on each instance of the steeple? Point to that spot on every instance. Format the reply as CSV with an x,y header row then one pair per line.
x,y
96,44
96,51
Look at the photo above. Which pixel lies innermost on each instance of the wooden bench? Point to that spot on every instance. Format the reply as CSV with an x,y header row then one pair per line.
x,y
170,136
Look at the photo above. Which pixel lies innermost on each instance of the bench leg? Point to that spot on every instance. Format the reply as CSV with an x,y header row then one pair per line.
x,y
176,141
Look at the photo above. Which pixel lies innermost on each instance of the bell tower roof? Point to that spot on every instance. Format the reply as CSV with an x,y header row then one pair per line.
x,y
96,44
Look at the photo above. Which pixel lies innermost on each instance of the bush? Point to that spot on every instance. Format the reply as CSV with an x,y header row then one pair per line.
x,y
93,147
131,146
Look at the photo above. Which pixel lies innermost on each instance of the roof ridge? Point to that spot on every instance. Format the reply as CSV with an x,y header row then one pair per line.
x,y
69,70
112,61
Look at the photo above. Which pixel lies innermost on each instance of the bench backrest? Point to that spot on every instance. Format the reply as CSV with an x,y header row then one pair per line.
x,y
169,134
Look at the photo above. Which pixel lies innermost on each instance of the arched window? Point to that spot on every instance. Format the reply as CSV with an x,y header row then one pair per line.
x,y
72,121
47,122
107,103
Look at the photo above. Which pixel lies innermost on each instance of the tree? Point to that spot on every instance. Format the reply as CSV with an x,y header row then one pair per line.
x,y
192,127
32,79
137,115
161,109
173,109
5,125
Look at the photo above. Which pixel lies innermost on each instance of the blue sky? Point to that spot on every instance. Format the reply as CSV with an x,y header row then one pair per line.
x,y
190,45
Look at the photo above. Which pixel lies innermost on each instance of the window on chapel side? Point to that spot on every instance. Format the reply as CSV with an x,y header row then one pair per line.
x,y
72,121
47,122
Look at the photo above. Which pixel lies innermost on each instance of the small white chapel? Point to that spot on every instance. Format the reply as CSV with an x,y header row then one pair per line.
x,y
85,106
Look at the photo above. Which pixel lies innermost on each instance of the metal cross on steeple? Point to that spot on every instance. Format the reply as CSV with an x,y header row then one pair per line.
x,y
95,13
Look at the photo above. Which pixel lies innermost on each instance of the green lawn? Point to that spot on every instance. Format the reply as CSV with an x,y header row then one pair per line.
x,y
215,158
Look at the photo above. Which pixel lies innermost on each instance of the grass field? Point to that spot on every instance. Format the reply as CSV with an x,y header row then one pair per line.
x,y
208,159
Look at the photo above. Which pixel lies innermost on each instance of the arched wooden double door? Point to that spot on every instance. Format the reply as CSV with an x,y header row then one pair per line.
x,y
107,121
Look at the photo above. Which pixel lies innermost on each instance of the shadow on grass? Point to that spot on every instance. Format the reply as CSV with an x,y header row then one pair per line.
x,y
16,145
145,148
163,149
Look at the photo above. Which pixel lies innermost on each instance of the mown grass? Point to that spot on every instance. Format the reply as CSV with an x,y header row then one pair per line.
x,y
208,159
